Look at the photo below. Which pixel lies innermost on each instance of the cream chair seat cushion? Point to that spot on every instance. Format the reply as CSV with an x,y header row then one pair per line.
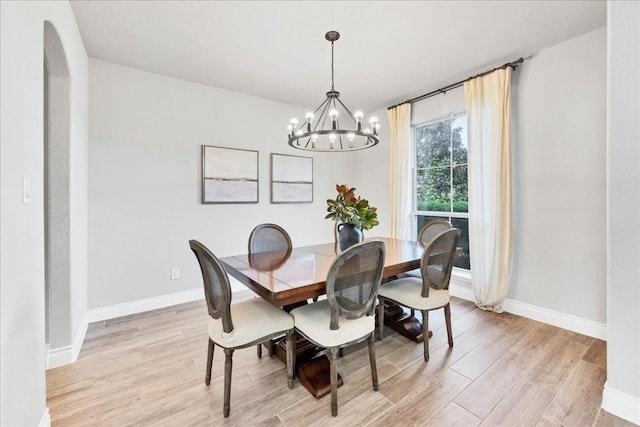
x,y
313,320
407,291
411,273
252,320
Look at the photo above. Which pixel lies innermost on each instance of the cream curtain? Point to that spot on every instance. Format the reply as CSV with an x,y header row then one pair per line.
x,y
400,171
488,102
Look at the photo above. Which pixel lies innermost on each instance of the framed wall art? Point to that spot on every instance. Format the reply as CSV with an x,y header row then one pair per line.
x,y
229,175
291,179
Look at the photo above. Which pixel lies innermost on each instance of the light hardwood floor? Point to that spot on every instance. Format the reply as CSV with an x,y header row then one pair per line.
x,y
148,370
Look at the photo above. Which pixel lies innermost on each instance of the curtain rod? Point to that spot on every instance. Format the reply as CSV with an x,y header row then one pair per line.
x,y
443,90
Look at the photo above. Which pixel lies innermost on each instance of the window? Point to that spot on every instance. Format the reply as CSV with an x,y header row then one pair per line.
x,y
441,189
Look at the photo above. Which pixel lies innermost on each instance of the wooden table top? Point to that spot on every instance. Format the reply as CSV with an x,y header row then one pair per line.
x,y
284,278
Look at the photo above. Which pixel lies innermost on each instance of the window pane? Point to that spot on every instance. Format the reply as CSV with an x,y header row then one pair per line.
x,y
460,189
441,177
434,187
433,145
464,260
459,140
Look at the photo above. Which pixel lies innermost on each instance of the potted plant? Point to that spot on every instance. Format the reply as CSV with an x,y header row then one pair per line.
x,y
352,215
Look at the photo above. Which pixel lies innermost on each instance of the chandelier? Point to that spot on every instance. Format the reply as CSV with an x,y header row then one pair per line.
x,y
332,127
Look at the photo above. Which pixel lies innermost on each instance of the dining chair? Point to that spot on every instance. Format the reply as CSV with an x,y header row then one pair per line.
x,y
428,231
346,317
431,229
269,238
237,325
429,292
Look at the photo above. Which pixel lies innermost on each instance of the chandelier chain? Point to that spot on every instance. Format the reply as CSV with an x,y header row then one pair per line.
x,y
332,88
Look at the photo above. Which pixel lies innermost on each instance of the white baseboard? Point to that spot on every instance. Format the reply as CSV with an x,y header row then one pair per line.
x,y
61,356
621,404
540,314
45,421
139,306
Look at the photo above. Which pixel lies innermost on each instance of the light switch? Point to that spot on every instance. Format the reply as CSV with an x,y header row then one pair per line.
x,y
175,273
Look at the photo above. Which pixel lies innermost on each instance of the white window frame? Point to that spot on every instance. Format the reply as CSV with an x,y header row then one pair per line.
x,y
460,273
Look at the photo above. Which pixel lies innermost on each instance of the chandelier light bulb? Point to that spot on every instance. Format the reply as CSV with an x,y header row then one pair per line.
x,y
309,118
374,124
334,118
294,122
332,140
358,115
314,139
351,136
290,129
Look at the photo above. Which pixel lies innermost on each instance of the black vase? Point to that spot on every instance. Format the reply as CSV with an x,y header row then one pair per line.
x,y
348,235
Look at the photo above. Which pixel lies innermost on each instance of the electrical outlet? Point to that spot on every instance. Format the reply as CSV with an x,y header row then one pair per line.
x,y
175,273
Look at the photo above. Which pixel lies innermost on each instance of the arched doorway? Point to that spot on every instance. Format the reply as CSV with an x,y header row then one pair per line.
x,y
57,125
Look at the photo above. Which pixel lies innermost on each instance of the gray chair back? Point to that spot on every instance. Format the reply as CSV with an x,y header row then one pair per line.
x,y
431,229
217,289
437,260
353,281
268,238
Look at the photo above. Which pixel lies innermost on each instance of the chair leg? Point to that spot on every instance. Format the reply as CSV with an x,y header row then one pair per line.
x,y
425,334
272,348
380,317
259,348
372,360
333,360
207,378
447,318
228,365
291,356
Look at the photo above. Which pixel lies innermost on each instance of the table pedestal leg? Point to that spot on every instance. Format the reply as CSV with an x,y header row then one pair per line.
x,y
403,323
311,370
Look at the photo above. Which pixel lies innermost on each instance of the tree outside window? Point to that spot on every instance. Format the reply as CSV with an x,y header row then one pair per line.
x,y
441,188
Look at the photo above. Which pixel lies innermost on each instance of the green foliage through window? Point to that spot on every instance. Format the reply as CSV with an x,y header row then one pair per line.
x,y
441,166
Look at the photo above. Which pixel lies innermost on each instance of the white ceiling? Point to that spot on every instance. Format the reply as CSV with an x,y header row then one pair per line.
x,y
388,50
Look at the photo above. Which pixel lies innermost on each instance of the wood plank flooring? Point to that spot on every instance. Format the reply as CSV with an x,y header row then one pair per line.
x,y
148,370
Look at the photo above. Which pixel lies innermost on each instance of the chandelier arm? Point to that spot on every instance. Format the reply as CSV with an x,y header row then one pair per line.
x,y
320,106
347,109
323,113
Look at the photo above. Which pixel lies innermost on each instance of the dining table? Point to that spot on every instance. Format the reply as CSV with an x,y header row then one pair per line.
x,y
292,277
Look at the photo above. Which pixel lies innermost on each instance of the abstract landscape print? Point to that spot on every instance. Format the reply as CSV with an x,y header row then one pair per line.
x,y
229,175
291,179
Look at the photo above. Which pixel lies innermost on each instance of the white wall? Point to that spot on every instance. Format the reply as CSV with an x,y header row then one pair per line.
x,y
22,337
559,156
558,137
622,390
146,132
